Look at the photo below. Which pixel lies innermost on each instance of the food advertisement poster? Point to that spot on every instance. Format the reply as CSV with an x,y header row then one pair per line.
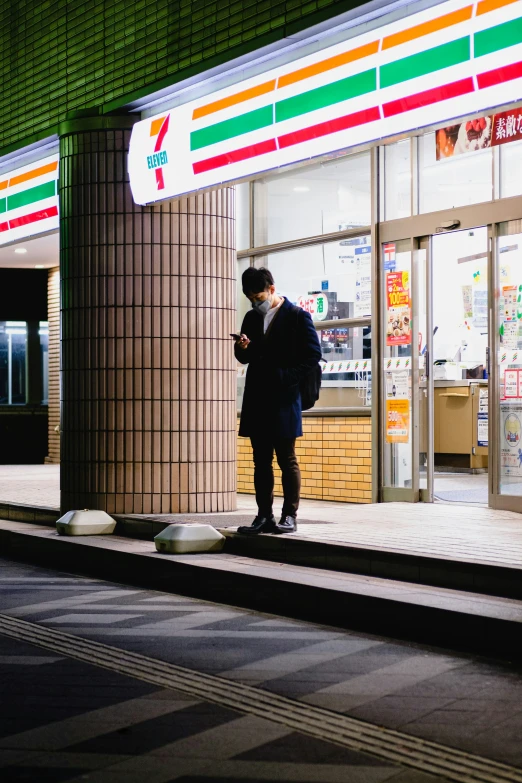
x,y
479,133
399,308
397,421
511,430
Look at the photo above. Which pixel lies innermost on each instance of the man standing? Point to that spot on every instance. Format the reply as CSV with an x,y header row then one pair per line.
x,y
280,345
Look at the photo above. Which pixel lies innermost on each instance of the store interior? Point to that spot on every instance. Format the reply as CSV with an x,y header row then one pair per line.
x,y
460,341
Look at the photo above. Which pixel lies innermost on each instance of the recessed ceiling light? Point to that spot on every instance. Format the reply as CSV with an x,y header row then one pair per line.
x,y
20,250
39,266
301,189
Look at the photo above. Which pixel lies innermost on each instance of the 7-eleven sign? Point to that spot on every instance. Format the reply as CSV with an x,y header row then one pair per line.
x,y
156,161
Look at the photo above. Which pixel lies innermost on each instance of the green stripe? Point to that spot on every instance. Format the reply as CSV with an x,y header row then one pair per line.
x,y
251,121
29,196
426,62
343,90
3,205
499,37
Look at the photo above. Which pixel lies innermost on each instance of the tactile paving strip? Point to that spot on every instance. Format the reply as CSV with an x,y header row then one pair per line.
x,y
394,746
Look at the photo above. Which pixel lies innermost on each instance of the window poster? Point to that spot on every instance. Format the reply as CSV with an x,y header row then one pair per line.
x,y
397,421
479,133
509,335
511,383
482,429
398,385
511,429
480,305
467,301
363,281
399,308
483,400
509,294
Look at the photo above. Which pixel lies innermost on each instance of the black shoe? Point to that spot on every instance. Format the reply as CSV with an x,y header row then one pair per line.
x,y
259,525
286,525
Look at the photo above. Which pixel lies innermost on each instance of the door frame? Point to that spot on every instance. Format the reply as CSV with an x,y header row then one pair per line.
x,y
419,230
496,500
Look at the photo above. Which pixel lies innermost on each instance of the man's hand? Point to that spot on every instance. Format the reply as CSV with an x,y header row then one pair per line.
x,y
243,341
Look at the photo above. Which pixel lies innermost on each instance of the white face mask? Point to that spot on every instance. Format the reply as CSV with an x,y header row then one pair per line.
x,y
263,307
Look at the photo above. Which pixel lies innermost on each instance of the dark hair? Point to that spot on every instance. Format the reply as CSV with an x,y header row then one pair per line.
x,y
256,280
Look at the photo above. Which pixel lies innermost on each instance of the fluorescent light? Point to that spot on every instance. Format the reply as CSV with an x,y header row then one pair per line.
x,y
20,250
301,189
39,266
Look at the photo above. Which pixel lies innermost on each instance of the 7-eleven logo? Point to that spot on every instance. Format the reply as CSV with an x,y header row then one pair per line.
x,y
158,159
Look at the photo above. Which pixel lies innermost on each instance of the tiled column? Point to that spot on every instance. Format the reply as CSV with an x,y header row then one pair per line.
x,y
147,305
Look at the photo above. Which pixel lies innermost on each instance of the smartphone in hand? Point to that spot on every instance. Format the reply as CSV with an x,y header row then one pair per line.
x,y
237,337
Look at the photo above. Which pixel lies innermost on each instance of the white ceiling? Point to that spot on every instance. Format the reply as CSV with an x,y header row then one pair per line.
x,y
42,251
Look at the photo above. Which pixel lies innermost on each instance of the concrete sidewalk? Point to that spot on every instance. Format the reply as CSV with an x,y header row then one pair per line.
x,y
456,531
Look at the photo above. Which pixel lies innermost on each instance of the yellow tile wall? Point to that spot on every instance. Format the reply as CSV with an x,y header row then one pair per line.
x,y
335,456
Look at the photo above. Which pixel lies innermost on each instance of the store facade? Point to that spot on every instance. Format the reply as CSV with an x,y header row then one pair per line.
x,y
374,165
29,319
379,178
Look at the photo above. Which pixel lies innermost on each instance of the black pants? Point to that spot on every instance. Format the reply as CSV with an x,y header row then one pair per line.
x,y
263,447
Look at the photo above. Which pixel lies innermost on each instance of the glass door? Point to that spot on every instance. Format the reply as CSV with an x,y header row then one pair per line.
x,y
506,367
434,387
458,357
403,314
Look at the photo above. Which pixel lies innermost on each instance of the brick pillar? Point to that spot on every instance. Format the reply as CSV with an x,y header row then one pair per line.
x,y
147,304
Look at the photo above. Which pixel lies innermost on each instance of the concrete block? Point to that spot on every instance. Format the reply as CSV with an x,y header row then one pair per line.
x,y
85,523
180,539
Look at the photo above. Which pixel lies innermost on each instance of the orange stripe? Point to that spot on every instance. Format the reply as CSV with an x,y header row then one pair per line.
x,y
156,125
232,100
485,6
4,184
33,173
440,23
329,64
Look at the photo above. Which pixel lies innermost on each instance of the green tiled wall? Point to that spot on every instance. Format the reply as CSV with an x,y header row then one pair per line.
x,y
59,58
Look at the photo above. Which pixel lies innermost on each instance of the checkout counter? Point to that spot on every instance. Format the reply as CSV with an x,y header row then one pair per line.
x,y
460,424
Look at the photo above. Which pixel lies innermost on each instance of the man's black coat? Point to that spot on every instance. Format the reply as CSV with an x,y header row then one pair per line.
x,y
276,363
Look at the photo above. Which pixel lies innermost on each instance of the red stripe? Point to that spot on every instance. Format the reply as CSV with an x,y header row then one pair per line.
x,y
33,217
161,135
331,126
427,97
234,156
4,226
499,75
159,179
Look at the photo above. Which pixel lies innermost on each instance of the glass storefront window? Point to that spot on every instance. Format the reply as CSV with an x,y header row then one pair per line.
x,y
347,373
331,280
242,216
13,337
397,180
510,168
13,361
44,347
453,182
314,200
